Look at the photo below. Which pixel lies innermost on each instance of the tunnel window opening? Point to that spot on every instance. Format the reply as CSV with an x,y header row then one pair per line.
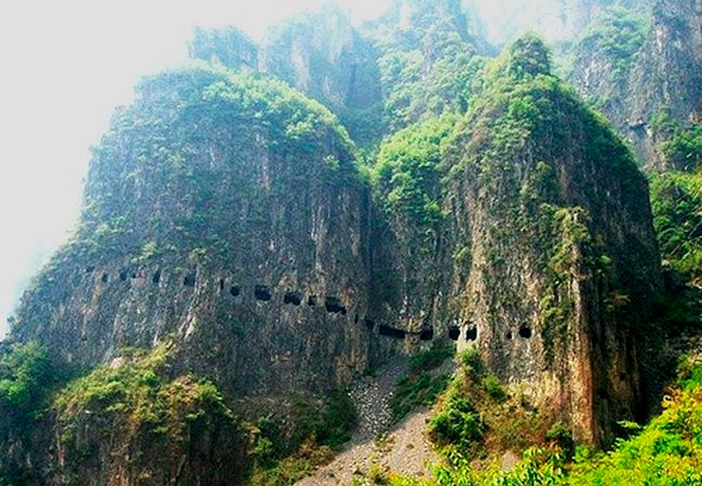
x,y
454,333
370,324
472,334
355,318
293,298
156,279
525,332
334,305
392,332
426,335
235,290
189,280
89,269
105,278
312,300
262,292
123,274
221,284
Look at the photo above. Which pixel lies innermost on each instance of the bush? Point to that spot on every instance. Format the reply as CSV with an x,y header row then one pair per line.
x,y
416,391
493,388
457,424
27,379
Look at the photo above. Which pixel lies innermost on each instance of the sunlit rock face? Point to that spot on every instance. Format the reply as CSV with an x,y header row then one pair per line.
x,y
555,263
226,212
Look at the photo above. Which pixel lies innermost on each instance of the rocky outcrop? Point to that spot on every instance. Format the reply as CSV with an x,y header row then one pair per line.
x,y
555,217
667,77
542,244
644,84
226,212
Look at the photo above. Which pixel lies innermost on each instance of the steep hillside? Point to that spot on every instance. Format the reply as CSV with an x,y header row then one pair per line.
x,y
523,229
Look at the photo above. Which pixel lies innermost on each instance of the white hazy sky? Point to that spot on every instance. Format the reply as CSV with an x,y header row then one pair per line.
x,y
65,66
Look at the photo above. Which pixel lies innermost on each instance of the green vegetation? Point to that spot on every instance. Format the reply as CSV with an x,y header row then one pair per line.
x,y
422,385
667,452
429,67
27,379
616,35
407,173
684,149
137,396
154,142
676,201
286,451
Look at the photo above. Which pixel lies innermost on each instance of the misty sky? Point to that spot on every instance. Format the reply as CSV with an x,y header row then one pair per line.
x,y
65,66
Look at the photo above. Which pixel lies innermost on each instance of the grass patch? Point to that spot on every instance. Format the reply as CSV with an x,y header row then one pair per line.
x,y
422,386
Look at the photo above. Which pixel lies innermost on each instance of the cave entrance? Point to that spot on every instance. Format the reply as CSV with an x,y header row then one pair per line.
x,y
235,290
472,334
370,324
157,277
334,305
124,274
262,292
312,300
525,332
392,332
454,333
189,280
294,298
105,278
426,335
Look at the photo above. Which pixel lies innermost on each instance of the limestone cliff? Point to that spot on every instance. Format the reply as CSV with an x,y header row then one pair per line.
x,y
226,212
529,236
640,68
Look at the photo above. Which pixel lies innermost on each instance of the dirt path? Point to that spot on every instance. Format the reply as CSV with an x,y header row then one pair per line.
x,y
374,448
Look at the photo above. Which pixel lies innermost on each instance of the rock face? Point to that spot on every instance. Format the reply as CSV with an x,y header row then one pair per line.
x,y
667,76
636,73
555,20
546,243
555,217
227,213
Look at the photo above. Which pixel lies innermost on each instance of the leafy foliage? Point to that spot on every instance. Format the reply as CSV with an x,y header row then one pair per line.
x,y
429,66
616,34
422,385
27,378
137,396
684,149
164,142
287,451
407,173
667,452
676,201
